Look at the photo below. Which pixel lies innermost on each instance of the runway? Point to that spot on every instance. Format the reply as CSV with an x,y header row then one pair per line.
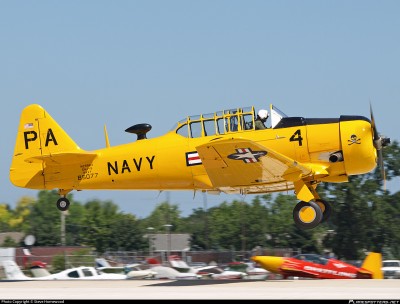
x,y
201,289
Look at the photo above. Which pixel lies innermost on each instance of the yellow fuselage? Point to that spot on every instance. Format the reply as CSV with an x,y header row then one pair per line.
x,y
46,158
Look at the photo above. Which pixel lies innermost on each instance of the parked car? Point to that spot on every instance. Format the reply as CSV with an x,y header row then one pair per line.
x,y
391,269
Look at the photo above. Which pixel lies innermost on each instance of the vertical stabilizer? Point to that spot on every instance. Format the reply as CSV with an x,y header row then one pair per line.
x,y
39,136
373,263
13,272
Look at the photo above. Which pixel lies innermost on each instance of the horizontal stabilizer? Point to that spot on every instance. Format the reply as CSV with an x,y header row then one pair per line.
x,y
63,158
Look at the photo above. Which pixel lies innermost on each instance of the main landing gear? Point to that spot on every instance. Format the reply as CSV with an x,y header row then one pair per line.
x,y
63,204
310,215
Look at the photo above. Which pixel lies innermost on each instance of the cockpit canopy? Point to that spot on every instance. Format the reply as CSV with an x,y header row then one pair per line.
x,y
313,258
223,122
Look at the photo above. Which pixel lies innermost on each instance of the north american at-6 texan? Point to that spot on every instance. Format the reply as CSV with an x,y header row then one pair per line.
x,y
220,152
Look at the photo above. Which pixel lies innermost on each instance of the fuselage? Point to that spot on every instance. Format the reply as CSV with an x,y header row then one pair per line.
x,y
339,146
312,266
171,161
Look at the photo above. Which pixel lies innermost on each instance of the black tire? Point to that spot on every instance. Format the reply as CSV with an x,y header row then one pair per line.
x,y
315,217
327,210
63,204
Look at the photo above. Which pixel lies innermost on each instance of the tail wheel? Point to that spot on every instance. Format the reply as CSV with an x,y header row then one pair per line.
x,y
326,209
63,204
307,215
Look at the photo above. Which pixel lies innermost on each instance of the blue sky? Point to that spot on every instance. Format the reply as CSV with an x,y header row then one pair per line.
x,y
90,63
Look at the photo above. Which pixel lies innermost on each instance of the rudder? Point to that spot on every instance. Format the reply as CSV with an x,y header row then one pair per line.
x,y
13,272
373,263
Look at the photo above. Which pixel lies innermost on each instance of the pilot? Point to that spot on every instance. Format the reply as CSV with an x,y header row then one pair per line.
x,y
262,117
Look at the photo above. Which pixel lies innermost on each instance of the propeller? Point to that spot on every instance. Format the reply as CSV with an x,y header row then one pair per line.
x,y
379,142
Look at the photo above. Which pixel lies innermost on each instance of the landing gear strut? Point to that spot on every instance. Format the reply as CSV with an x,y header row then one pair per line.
x,y
310,215
63,204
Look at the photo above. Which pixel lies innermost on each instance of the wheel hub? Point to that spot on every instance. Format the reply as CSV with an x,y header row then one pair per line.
x,y
307,214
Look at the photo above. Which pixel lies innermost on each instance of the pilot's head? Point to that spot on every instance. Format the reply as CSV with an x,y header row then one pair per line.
x,y
263,114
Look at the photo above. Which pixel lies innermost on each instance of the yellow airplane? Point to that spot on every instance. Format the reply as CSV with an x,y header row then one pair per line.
x,y
213,153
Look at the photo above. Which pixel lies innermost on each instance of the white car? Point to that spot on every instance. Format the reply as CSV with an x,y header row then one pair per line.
x,y
391,269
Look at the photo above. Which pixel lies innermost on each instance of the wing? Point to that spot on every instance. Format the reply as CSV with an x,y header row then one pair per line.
x,y
294,272
233,164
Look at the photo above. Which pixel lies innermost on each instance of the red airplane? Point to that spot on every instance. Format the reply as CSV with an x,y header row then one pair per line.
x,y
318,267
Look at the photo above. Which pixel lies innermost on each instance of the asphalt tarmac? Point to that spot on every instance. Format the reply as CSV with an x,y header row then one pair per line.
x,y
388,290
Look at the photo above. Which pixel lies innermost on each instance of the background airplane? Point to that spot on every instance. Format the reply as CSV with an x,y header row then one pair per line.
x,y
132,271
13,272
209,271
318,267
216,153
166,272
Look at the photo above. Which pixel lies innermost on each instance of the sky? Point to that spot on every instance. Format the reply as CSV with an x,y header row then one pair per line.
x,y
117,63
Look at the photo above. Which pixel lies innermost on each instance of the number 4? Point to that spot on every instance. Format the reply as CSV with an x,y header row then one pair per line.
x,y
297,137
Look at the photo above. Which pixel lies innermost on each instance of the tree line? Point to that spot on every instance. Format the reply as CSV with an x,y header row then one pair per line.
x,y
365,217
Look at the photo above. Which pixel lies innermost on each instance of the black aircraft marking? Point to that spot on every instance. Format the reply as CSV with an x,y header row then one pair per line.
x,y
125,165
247,155
354,140
32,136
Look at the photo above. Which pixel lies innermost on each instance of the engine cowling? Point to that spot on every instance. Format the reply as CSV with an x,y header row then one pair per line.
x,y
359,153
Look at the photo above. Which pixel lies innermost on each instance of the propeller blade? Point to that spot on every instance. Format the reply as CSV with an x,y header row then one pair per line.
x,y
379,142
376,136
380,164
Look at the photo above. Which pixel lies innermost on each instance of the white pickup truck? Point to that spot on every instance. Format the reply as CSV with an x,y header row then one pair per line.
x,y
391,269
